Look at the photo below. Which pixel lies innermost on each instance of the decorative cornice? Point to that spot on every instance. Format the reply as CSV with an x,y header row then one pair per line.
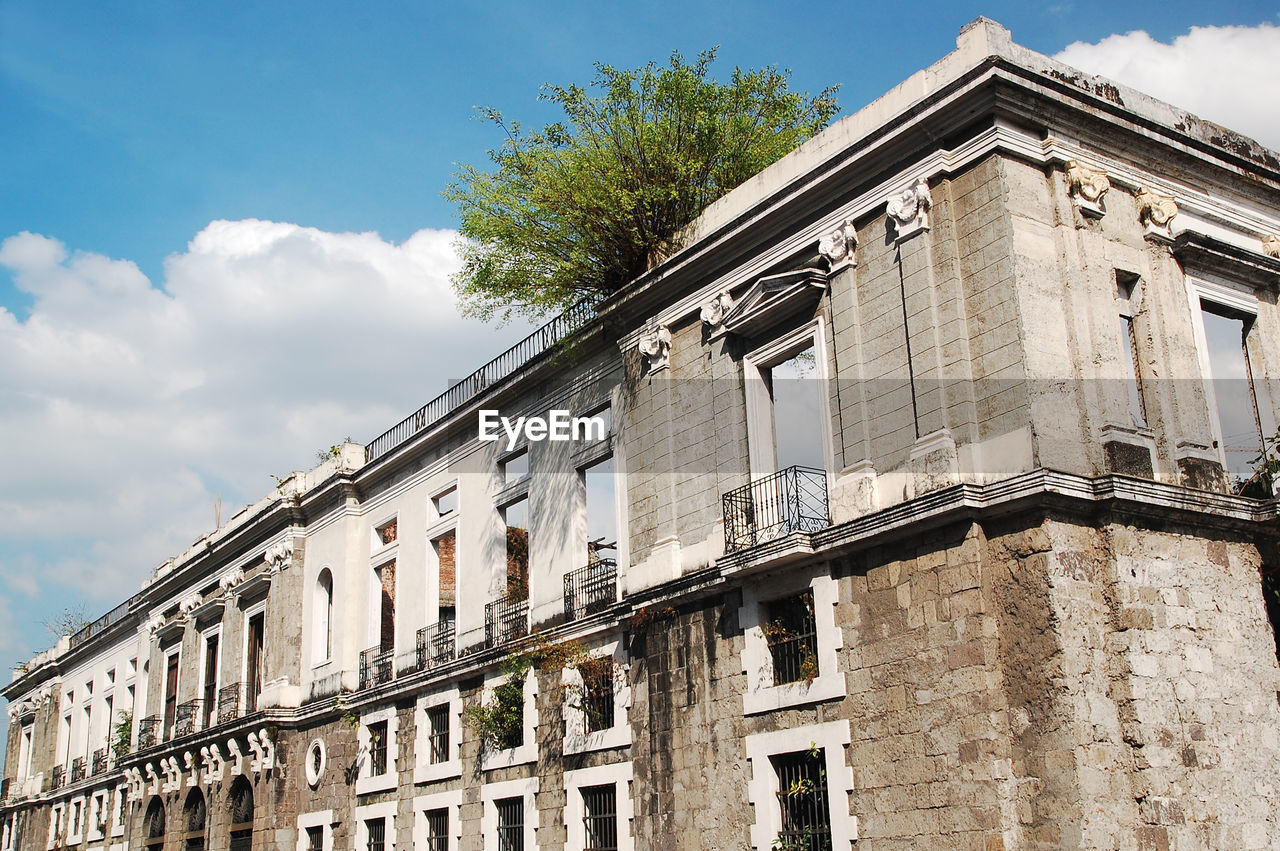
x,y
1199,252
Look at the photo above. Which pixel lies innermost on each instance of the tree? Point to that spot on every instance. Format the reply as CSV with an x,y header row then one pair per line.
x,y
69,621
583,206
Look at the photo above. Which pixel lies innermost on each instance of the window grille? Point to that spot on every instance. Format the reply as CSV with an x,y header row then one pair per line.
x,y
510,824
600,818
437,830
506,619
802,797
792,636
377,829
590,589
378,749
315,839
435,644
438,737
597,694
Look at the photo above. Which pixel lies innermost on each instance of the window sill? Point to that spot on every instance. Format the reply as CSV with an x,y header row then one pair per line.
x,y
379,783
617,736
770,698
522,755
431,772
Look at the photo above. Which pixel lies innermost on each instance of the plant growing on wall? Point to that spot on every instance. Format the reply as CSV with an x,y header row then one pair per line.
x,y
122,735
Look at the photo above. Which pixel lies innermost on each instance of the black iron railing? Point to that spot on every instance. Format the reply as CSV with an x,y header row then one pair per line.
x,y
56,777
791,500
229,702
148,732
187,718
78,771
536,344
590,589
435,644
101,624
101,761
377,666
506,619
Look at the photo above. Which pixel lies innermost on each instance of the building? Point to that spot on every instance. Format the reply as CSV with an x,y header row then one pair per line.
x,y
926,524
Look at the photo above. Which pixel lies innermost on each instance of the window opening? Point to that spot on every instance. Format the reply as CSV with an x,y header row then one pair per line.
x,y
438,737
437,830
241,799
1226,335
377,830
802,796
510,824
253,661
600,818
516,518
790,631
797,425
378,749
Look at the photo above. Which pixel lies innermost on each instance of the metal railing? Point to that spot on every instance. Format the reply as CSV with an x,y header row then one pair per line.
x,y
148,732
377,666
590,589
802,797
435,644
101,624
56,776
229,702
505,619
101,761
78,772
790,500
186,720
536,344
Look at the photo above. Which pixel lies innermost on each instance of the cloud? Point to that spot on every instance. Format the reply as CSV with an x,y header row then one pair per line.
x,y
127,408
1228,75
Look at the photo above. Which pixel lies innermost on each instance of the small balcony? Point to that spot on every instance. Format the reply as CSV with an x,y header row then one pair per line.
x,y
100,762
186,721
506,619
56,777
435,644
148,732
78,771
590,589
377,666
790,500
229,702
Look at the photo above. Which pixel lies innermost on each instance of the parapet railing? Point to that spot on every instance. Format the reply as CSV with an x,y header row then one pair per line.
x,y
101,624
229,702
536,344
148,732
790,500
187,718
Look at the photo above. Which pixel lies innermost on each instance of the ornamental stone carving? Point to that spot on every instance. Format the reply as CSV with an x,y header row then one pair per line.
x,y
255,764
268,750
189,604
193,773
230,580
713,312
655,345
838,246
909,210
153,624
1271,245
1087,186
1156,210
279,554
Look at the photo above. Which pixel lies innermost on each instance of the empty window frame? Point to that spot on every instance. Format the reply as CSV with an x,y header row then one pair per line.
x,y
515,517
1225,336
788,423
322,618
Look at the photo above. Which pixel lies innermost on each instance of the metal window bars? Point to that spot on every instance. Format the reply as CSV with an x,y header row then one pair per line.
x,y
377,830
101,761
792,636
186,720
802,796
438,734
148,732
229,702
505,619
377,666
56,776
435,644
78,771
790,500
437,830
378,749
510,824
590,589
600,818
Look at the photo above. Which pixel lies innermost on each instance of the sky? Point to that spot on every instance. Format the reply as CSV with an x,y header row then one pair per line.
x,y
223,245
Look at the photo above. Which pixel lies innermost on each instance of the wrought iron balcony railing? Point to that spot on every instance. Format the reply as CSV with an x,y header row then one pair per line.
x,y
77,770
435,644
377,666
186,720
590,589
506,619
790,500
101,761
229,702
148,732
56,776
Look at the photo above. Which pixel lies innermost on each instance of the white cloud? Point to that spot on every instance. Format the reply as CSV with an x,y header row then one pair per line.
x,y
1228,75
125,407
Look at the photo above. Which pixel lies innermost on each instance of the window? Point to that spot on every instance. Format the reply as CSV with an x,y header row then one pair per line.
x,y
377,755
322,636
437,830
375,827
24,751
254,643
515,516
515,467
510,824
799,788
209,677
386,576
600,818
153,825
1239,431
387,533
446,502
445,549
240,800
1126,291
438,737
378,749
597,694
510,737
194,817
170,694
315,839
787,409
600,487
315,831
376,830
792,638
434,816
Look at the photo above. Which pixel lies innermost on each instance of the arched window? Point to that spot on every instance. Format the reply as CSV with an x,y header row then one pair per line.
x,y
153,826
323,618
241,803
193,814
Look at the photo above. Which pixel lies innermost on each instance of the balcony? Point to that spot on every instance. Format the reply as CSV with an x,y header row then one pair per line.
x,y
148,732
229,702
56,777
590,589
186,720
100,762
506,619
435,644
377,666
790,500
77,770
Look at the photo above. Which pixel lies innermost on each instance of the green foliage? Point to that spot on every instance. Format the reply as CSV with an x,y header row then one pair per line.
x,y
500,721
122,735
585,205
1265,469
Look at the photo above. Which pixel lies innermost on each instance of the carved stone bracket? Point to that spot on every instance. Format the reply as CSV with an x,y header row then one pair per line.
x,y
255,748
189,604
279,555
655,345
154,787
1271,245
217,765
235,757
838,246
1087,187
909,210
1156,211
713,312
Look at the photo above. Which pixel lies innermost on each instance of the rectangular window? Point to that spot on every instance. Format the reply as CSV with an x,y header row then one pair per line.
x,y
210,693
378,749
1126,284
24,752
437,830
516,518
170,695
802,796
377,829
446,550
446,502
797,423
315,839
438,737
600,817
386,533
1226,333
253,660
597,694
515,467
600,486
792,636
387,610
510,824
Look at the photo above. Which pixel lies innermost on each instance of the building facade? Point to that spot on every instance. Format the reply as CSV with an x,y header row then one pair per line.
x,y
910,505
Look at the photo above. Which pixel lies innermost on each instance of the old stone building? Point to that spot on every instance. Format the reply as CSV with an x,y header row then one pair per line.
x,y
910,505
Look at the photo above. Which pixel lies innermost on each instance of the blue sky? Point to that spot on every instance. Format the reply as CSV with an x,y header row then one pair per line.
x,y
223,244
